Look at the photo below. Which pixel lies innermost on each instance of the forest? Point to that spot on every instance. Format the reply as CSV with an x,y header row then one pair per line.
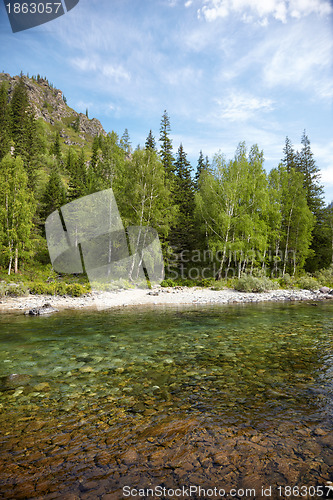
x,y
226,218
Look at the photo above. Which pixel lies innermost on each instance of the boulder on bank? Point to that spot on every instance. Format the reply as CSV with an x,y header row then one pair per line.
x,y
38,311
324,289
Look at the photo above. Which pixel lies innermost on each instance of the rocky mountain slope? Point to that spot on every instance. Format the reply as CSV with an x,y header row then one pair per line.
x,y
49,104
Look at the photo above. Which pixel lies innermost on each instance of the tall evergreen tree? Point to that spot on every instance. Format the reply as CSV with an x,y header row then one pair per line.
x,y
289,159
78,177
150,142
166,145
203,164
4,122
54,196
19,110
183,233
55,148
125,143
306,165
311,175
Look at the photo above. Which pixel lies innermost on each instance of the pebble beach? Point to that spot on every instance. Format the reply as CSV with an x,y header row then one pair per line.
x,y
158,296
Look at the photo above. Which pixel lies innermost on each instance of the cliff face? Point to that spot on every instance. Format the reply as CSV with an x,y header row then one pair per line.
x,y
48,103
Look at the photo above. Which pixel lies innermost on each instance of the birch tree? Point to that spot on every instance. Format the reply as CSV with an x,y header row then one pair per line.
x,y
17,208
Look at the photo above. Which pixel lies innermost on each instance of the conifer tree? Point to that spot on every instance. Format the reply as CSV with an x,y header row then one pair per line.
x,y
203,164
289,159
54,196
125,143
306,165
311,174
78,177
4,122
166,145
56,148
183,233
150,142
19,109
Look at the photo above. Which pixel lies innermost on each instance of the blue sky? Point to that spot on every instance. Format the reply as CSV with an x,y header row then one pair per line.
x,y
225,70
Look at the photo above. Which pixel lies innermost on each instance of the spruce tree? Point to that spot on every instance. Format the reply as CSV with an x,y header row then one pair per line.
x,y
55,148
125,143
150,142
306,164
203,164
54,196
166,146
289,159
78,177
5,134
19,109
183,233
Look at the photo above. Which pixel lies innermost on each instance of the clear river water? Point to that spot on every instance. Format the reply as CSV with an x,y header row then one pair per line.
x,y
146,402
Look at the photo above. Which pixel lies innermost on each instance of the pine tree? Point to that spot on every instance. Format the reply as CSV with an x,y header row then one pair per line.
x,y
166,146
150,142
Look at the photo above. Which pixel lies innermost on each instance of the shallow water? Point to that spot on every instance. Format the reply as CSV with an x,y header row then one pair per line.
x,y
224,396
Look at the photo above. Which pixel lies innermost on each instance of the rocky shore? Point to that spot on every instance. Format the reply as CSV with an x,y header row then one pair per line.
x,y
157,296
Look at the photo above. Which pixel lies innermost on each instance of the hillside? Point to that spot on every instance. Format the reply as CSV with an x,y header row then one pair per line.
x,y
49,106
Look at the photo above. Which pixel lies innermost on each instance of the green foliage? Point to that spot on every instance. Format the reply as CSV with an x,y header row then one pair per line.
x,y
307,283
166,145
325,276
40,288
75,290
54,288
17,208
248,283
286,281
13,290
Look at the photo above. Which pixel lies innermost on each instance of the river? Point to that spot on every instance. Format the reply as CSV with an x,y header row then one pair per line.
x,y
235,400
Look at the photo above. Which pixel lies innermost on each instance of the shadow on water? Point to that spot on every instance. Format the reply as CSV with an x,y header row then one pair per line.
x,y
231,396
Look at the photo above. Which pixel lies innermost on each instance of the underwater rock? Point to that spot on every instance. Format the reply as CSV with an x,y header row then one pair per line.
x,y
13,381
45,309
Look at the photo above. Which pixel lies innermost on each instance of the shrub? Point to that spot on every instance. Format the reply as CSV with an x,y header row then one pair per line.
x,y
248,283
75,290
168,282
325,276
307,283
42,288
16,290
286,281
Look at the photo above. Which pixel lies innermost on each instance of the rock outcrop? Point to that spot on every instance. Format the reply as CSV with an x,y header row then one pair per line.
x,y
49,104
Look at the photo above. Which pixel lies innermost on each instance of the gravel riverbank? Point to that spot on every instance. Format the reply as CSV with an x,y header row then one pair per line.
x,y
173,296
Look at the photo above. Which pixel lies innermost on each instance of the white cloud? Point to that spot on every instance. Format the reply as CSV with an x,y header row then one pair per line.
x,y
278,9
303,61
241,107
93,64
